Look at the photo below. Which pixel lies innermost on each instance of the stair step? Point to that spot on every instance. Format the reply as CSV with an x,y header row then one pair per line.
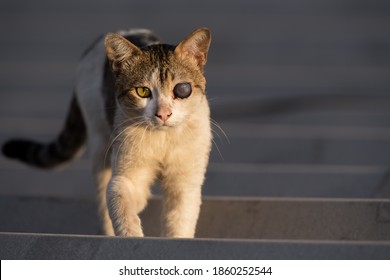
x,y
304,180
49,246
227,218
222,179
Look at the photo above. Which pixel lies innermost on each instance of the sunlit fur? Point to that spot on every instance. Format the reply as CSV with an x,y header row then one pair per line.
x,y
144,148
135,141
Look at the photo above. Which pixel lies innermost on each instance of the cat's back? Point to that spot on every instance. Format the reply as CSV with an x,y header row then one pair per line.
x,y
140,37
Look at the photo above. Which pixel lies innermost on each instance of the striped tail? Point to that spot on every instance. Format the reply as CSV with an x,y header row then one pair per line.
x,y
51,155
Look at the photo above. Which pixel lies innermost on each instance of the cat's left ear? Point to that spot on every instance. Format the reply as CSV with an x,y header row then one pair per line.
x,y
118,50
195,46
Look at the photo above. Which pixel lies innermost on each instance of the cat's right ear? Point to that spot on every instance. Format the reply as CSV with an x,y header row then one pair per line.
x,y
118,50
195,46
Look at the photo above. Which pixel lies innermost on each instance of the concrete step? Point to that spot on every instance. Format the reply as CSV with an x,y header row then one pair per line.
x,y
227,218
222,179
304,180
284,150
56,246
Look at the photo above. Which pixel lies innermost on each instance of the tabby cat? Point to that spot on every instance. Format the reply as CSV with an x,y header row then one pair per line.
x,y
141,107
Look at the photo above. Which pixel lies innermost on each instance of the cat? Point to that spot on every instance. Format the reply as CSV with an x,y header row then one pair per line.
x,y
141,107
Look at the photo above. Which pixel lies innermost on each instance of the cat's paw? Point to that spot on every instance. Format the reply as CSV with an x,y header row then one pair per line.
x,y
130,232
131,227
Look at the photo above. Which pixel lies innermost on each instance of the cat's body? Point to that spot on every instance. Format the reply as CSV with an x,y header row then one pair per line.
x,y
145,117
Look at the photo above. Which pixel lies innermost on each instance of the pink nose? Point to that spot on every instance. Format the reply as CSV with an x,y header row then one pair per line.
x,y
163,113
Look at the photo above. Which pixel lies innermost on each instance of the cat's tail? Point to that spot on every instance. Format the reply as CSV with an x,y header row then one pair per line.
x,y
66,147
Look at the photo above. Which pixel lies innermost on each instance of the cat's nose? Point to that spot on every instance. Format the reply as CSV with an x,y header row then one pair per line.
x,y
163,113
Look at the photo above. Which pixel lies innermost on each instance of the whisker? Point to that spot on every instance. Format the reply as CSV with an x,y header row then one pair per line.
x,y
119,149
210,100
143,135
128,120
112,143
216,146
217,134
114,139
216,124
136,125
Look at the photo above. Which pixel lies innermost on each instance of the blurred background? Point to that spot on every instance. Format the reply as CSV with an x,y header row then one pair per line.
x,y
301,89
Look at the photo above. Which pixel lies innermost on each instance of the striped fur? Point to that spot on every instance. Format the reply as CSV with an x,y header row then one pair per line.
x,y
67,146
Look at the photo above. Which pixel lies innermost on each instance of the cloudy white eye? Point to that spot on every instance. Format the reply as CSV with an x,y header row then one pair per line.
x,y
182,90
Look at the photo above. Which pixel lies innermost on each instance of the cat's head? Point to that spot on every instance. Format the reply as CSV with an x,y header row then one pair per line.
x,y
159,85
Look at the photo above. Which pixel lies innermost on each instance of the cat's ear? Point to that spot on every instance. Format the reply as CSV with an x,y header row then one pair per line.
x,y
119,49
195,46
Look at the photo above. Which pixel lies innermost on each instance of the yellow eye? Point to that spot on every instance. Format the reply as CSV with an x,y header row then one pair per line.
x,y
143,92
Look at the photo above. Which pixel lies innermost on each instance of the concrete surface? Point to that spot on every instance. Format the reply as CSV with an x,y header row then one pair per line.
x,y
44,246
227,218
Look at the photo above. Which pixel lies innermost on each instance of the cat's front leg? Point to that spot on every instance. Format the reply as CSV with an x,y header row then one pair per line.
x,y
125,200
181,207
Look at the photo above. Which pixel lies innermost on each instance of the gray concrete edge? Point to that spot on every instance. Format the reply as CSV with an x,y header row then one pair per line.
x,y
56,246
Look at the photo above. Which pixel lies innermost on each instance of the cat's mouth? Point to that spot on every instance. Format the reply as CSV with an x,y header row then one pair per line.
x,y
159,125
164,126
154,122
